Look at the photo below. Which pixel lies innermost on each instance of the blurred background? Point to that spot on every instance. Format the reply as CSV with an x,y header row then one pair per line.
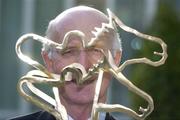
x,y
159,18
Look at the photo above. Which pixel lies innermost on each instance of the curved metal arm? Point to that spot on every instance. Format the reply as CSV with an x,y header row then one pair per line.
x,y
116,72
27,59
146,37
49,103
42,75
144,111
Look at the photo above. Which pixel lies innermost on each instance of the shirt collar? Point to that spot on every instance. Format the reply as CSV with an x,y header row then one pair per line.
x,y
102,116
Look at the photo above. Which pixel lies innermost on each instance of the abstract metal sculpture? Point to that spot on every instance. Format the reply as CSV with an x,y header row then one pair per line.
x,y
43,76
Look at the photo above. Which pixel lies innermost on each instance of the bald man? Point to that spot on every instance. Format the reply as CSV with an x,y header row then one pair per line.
x,y
77,99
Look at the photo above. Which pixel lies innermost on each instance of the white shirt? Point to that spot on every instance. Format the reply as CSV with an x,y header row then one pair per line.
x,y
102,116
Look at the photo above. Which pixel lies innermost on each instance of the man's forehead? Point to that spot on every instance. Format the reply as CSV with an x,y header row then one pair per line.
x,y
85,21
82,20
76,41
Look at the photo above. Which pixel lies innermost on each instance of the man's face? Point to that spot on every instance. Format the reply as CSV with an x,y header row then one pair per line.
x,y
86,23
75,53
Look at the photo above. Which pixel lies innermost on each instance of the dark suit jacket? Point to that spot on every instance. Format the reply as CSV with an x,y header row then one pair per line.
x,y
42,115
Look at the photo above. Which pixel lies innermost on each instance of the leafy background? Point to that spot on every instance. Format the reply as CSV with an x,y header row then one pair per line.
x,y
162,83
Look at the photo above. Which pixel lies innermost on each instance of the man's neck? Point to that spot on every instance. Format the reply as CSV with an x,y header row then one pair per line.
x,y
77,111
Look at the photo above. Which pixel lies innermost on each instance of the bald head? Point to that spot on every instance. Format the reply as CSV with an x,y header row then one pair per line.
x,y
80,18
84,19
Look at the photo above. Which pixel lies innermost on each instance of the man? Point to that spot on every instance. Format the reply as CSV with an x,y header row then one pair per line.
x,y
77,99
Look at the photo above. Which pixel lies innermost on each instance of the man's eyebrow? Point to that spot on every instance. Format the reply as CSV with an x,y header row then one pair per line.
x,y
70,47
100,45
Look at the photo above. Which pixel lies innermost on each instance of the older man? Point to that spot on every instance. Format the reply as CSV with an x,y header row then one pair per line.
x,y
77,99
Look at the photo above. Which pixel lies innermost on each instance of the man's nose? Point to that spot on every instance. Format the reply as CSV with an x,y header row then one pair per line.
x,y
84,59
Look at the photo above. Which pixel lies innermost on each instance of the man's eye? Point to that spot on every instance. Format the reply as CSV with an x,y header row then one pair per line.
x,y
71,52
96,50
67,51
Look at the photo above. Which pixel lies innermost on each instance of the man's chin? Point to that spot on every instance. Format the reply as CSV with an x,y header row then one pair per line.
x,y
73,85
78,93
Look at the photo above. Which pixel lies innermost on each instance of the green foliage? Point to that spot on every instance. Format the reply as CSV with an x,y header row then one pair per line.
x,y
162,83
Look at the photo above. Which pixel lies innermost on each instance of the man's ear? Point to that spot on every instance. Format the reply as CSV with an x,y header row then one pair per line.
x,y
47,61
117,57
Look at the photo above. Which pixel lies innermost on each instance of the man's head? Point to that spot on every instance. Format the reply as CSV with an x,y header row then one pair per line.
x,y
84,19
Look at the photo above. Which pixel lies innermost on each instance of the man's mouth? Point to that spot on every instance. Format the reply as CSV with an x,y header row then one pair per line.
x,y
89,81
76,74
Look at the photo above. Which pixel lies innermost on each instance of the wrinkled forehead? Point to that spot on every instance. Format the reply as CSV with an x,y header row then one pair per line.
x,y
85,22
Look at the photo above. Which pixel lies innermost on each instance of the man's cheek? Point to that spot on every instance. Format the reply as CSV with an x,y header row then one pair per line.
x,y
58,66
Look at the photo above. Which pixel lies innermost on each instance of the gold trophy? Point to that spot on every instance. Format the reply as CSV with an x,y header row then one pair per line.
x,y
42,76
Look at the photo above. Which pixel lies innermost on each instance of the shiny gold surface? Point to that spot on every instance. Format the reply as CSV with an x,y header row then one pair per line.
x,y
43,76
